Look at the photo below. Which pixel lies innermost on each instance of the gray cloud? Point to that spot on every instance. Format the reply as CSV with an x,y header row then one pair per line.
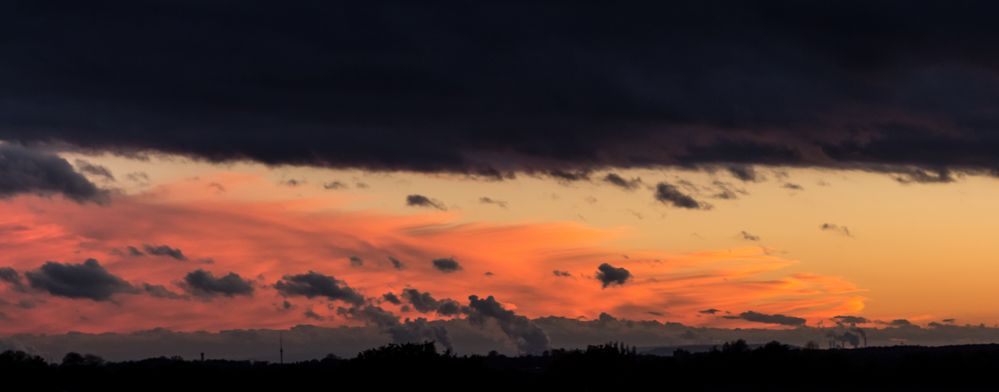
x,y
334,185
831,227
12,277
160,291
26,171
621,182
498,203
396,263
850,320
391,298
162,250
744,173
446,265
356,261
423,201
424,302
94,170
204,284
749,236
792,186
527,336
561,274
779,319
313,284
609,275
669,194
85,280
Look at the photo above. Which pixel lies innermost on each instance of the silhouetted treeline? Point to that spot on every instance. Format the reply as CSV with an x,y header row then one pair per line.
x,y
734,366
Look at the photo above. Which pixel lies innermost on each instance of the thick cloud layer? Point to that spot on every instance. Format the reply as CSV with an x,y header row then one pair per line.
x,y
492,86
85,280
28,171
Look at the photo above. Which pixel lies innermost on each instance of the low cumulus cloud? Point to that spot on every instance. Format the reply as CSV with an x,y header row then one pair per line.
x,y
778,319
204,284
87,280
314,284
669,194
609,275
26,171
423,201
447,265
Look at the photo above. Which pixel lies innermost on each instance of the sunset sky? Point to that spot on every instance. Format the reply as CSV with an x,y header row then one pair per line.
x,y
215,165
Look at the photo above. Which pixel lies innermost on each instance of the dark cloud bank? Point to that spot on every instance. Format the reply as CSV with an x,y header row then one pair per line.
x,y
490,87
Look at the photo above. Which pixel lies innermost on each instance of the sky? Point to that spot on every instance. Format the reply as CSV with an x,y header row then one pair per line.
x,y
410,171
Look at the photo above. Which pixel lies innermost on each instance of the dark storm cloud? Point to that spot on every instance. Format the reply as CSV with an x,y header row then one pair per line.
x,y
610,275
618,181
94,169
669,194
163,250
446,265
423,201
779,319
313,284
528,337
204,284
85,280
493,86
28,171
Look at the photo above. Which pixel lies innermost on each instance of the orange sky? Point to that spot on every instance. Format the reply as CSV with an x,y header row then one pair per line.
x,y
248,219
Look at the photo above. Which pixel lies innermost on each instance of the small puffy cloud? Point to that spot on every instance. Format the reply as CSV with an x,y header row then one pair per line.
x,y
85,280
162,250
749,236
792,186
356,261
609,275
621,182
446,265
94,169
204,284
709,311
313,284
396,263
332,185
669,194
834,228
423,201
561,274
391,298
488,200
744,173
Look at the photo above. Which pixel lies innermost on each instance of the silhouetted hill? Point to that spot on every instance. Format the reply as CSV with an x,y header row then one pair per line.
x,y
609,367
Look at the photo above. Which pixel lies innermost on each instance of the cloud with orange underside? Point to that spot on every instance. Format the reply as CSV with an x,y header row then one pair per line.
x,y
263,231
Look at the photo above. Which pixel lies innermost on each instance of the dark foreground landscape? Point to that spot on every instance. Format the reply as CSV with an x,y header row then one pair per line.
x,y
731,367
